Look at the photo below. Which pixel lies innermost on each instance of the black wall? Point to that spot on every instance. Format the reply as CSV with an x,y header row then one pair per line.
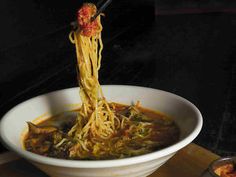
x,y
192,55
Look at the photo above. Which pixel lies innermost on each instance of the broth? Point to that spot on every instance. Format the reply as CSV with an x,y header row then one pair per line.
x,y
146,131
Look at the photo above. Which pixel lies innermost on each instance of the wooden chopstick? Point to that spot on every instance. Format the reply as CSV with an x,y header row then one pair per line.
x,y
101,9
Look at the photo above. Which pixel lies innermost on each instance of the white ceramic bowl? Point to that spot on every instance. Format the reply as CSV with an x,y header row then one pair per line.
x,y
186,115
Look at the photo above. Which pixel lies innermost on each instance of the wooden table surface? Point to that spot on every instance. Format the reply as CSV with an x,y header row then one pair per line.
x,y
191,161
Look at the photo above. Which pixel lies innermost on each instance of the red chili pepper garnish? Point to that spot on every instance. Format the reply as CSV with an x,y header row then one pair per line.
x,y
84,15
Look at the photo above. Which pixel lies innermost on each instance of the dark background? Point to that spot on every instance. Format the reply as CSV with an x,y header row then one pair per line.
x,y
185,47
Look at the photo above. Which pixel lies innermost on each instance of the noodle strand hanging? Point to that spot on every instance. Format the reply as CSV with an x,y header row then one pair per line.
x,y
95,118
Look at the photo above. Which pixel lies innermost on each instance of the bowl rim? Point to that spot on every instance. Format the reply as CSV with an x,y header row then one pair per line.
x,y
104,163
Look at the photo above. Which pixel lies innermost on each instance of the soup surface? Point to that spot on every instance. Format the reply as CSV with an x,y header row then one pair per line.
x,y
145,132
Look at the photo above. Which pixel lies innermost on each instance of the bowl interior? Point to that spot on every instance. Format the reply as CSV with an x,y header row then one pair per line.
x,y
182,111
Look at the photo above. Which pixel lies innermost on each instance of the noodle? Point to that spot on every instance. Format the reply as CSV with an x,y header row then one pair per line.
x,y
95,118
